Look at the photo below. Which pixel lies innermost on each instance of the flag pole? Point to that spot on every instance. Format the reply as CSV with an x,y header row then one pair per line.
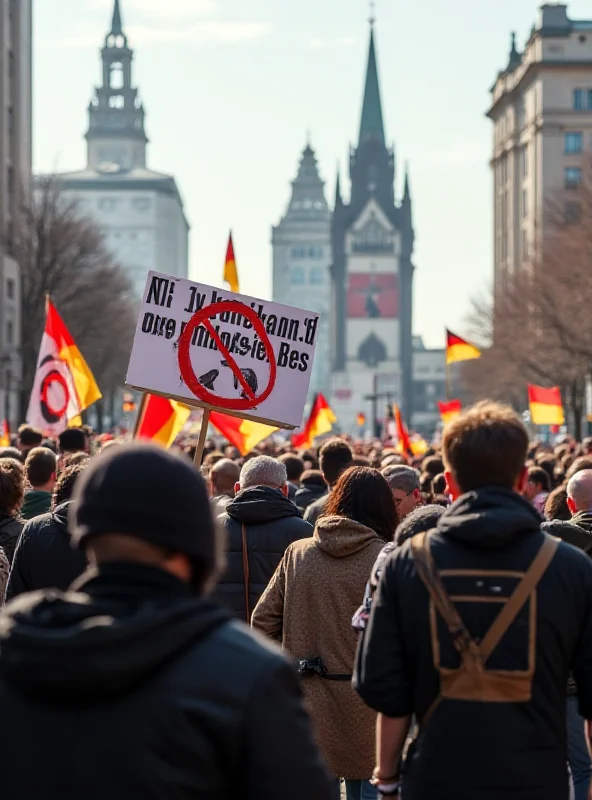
x,y
201,442
140,414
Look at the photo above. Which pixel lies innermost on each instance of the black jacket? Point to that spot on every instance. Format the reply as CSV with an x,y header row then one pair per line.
x,y
308,494
10,530
316,509
136,689
577,531
272,522
478,750
45,557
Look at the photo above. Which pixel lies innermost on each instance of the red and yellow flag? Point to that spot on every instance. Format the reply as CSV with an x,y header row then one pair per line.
x,y
546,407
320,420
64,385
161,419
458,349
361,420
450,410
230,270
5,434
403,440
242,433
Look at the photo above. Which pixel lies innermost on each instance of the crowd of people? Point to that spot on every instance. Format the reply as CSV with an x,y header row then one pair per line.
x,y
345,619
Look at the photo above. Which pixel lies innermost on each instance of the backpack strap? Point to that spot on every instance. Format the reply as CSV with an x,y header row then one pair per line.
x,y
519,596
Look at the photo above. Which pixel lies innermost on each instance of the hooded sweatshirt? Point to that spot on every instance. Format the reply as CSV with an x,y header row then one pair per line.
x,y
135,688
271,523
308,607
36,502
478,750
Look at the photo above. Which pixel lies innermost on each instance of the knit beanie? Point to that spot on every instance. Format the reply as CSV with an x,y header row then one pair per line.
x,y
148,492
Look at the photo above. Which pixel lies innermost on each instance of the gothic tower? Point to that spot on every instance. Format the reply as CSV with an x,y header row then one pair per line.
x,y
372,270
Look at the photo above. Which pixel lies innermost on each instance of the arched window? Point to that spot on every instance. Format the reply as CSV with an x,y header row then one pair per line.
x,y
297,276
116,76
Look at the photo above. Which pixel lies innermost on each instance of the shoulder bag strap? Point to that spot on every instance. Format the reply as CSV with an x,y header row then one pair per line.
x,y
518,598
246,573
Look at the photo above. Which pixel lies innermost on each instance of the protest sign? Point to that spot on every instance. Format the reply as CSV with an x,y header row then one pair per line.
x,y
217,350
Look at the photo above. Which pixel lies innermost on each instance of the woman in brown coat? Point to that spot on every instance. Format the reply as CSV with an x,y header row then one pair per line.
x,y
308,607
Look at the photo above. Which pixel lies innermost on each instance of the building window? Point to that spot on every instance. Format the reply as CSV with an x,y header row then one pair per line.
x,y
10,288
297,276
573,213
116,101
141,203
578,99
525,202
116,76
573,142
524,161
317,275
9,332
573,177
107,204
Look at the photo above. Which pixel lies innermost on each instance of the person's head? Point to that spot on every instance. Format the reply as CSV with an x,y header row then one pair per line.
x,y
579,491
439,484
74,459
362,494
27,438
263,471
312,477
41,466
421,519
212,458
587,446
145,505
12,486
223,477
556,505
580,463
335,457
50,445
11,452
73,440
548,463
65,483
485,446
404,484
392,460
294,467
433,465
537,481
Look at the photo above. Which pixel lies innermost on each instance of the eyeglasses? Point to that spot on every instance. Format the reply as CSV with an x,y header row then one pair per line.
x,y
399,500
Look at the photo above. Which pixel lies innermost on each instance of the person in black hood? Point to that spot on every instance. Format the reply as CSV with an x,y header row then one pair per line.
x,y
509,741
135,684
12,492
259,524
44,556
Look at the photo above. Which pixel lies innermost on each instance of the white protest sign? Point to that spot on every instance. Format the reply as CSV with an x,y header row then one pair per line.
x,y
212,348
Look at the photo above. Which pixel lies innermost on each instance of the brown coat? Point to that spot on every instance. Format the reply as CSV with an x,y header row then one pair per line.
x,y
308,606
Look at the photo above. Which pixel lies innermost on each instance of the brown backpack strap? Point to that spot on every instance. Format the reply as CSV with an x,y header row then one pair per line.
x,y
519,596
426,569
246,573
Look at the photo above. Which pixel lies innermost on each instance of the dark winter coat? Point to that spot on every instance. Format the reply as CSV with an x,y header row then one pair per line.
x,y
272,523
45,557
478,750
577,531
316,510
35,503
10,530
137,689
308,494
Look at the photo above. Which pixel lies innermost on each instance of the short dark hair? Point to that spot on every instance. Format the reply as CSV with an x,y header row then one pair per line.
x,y
294,466
312,477
363,495
422,518
11,452
485,446
540,477
433,465
334,458
439,484
12,485
66,482
29,436
582,462
556,506
72,440
40,465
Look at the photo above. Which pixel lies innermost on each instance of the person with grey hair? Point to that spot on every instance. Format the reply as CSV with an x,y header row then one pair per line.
x,y
223,478
259,525
404,483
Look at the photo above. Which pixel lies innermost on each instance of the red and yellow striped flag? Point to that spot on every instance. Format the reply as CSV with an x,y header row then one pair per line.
x,y
230,270
546,407
161,419
242,433
458,349
5,434
450,410
320,420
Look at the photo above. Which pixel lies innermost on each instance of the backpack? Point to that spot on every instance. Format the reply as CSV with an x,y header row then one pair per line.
x,y
472,680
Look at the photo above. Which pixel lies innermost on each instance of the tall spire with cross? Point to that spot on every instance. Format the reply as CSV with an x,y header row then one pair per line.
x,y
116,136
371,125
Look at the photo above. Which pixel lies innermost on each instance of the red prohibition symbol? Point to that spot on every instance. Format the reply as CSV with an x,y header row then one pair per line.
x,y
203,317
55,377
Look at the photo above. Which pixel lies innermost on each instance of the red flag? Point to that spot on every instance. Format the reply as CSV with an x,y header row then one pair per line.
x,y
450,410
320,420
402,432
5,434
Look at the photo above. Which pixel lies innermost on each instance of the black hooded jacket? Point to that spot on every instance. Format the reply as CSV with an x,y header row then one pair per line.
x,y
272,523
45,557
576,531
308,494
10,530
134,688
478,750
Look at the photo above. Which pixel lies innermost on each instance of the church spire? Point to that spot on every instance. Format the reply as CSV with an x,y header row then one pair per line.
x,y
116,26
372,126
338,198
406,189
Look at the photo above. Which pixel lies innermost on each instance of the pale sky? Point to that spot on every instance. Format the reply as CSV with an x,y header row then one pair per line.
x,y
232,86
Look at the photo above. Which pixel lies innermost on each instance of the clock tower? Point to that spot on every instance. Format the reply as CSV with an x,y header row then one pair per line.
x,y
116,134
